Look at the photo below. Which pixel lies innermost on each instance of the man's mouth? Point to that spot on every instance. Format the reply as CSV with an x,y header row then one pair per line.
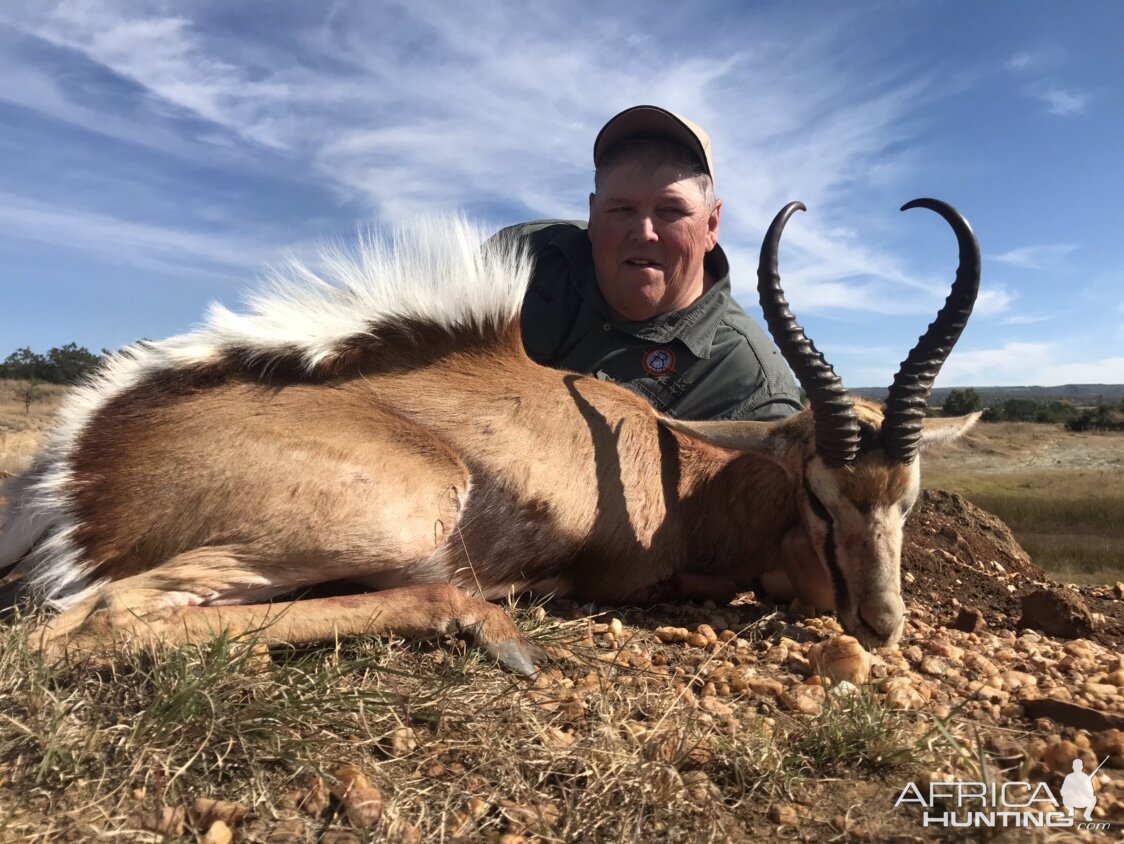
x,y
643,262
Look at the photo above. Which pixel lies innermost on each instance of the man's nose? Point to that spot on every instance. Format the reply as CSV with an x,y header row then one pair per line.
x,y
644,228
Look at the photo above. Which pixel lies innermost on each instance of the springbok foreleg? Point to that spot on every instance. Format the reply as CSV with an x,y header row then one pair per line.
x,y
417,612
802,574
168,605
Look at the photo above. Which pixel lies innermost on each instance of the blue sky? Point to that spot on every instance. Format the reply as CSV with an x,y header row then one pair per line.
x,y
158,156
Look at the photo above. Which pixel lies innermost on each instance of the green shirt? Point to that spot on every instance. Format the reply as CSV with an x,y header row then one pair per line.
x,y
706,361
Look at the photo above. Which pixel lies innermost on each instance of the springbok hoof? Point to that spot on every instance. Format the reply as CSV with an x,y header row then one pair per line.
x,y
518,656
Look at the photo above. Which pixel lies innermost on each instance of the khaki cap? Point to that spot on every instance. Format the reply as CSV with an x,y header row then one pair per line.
x,y
648,121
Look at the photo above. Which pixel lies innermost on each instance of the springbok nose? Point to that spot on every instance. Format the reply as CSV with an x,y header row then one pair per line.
x,y
881,621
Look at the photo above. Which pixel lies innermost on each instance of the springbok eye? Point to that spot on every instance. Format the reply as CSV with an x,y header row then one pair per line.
x,y
817,506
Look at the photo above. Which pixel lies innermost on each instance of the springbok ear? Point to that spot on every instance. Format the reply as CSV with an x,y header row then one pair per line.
x,y
764,438
937,431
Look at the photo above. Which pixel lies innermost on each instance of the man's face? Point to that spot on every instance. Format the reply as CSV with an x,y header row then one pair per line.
x,y
650,231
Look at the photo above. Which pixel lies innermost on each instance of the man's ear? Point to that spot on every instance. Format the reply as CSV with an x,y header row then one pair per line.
x,y
712,225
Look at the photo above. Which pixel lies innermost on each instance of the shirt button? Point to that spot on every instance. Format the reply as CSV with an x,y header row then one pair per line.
x,y
607,327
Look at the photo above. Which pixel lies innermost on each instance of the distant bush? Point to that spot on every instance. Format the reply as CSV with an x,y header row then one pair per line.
x,y
961,402
1028,410
1057,412
1104,417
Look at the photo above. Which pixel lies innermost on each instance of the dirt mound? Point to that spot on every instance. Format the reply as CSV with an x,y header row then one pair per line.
x,y
956,555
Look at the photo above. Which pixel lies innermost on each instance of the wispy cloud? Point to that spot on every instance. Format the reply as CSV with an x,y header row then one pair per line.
x,y
1063,102
121,241
1042,364
1034,68
1108,371
1038,59
1042,257
24,85
1025,319
1023,60
337,113
165,56
1011,363
992,300
836,282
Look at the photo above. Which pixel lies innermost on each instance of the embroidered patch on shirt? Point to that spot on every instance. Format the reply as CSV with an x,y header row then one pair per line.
x,y
659,361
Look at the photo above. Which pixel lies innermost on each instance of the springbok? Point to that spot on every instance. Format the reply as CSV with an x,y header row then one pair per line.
x,y
386,427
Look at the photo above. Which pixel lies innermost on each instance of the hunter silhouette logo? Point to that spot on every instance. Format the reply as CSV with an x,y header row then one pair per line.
x,y
1077,790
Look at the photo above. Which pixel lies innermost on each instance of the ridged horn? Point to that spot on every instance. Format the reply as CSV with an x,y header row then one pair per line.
x,y
909,394
837,427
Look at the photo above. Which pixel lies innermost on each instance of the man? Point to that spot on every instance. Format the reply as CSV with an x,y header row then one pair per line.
x,y
641,296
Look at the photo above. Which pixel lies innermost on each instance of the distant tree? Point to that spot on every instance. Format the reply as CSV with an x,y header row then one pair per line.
x,y
24,365
29,369
28,392
993,414
67,364
71,363
1020,410
960,402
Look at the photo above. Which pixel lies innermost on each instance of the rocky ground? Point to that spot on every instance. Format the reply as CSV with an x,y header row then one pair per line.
x,y
1034,668
992,638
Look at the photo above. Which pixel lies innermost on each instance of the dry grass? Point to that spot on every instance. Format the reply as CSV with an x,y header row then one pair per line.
x,y
607,746
22,433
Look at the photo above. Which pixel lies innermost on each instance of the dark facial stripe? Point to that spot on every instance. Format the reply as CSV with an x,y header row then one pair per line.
x,y
838,582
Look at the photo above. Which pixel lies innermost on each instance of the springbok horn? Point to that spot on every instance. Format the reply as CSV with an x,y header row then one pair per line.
x,y
837,427
909,394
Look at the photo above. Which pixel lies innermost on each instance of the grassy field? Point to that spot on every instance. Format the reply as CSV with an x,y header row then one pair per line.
x,y
1062,494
